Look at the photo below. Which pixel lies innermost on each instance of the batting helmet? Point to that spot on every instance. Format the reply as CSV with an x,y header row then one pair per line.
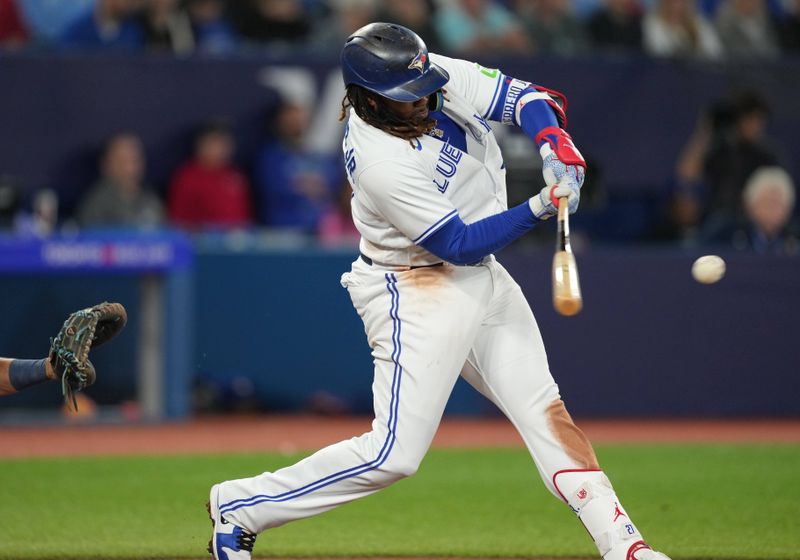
x,y
392,61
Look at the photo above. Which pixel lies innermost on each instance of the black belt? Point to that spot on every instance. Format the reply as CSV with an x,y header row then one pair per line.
x,y
369,261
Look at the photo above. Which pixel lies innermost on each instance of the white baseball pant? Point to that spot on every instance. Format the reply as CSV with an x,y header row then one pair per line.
x,y
425,327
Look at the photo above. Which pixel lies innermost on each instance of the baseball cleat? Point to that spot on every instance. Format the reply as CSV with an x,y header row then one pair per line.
x,y
641,551
228,541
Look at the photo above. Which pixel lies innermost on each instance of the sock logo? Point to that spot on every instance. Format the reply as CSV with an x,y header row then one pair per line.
x,y
618,512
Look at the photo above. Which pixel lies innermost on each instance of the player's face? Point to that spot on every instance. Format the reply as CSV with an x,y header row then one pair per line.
x,y
413,111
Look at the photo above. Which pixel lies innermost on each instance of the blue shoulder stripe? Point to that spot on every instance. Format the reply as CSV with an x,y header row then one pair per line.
x,y
499,93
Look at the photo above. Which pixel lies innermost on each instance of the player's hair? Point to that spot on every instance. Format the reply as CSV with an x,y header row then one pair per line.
x,y
380,116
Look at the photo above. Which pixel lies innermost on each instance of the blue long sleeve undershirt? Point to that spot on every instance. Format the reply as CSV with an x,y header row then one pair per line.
x,y
535,117
460,244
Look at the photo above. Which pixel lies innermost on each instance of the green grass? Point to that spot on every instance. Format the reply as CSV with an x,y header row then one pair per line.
x,y
691,501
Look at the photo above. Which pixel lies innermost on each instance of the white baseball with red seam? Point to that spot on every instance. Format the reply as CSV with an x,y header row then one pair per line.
x,y
708,269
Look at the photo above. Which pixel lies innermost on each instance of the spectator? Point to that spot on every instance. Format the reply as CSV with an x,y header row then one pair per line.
x,y
479,27
109,26
209,191
416,15
789,28
583,9
682,211
746,30
120,197
674,29
768,200
617,25
166,27
276,22
295,186
738,149
348,16
552,27
48,19
336,228
212,32
13,32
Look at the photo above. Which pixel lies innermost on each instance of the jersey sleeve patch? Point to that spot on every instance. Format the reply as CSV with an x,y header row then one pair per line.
x,y
504,107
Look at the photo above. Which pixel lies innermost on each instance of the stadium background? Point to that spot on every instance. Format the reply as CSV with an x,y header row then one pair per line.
x,y
251,320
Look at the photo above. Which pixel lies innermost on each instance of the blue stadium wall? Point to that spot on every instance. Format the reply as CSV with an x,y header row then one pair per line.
x,y
275,328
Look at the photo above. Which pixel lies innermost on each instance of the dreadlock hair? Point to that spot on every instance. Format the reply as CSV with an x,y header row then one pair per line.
x,y
380,116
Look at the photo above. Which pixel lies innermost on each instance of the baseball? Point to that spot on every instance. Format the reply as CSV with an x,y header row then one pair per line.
x,y
708,269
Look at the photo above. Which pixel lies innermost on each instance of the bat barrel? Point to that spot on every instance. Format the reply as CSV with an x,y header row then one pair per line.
x,y
567,298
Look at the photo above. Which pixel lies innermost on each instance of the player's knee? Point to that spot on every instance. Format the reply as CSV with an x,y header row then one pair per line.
x,y
399,467
404,469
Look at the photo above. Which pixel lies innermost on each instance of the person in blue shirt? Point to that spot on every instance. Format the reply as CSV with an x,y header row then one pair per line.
x,y
294,186
48,19
109,26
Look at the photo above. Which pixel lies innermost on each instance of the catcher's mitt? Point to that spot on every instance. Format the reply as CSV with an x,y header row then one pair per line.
x,y
69,350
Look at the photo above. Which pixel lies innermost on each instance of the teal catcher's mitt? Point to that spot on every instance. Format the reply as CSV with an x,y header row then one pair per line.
x,y
69,350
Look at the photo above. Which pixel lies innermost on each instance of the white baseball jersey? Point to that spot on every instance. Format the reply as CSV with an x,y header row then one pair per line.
x,y
404,191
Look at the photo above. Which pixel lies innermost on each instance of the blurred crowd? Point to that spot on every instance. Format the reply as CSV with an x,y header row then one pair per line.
x,y
287,188
730,185
705,29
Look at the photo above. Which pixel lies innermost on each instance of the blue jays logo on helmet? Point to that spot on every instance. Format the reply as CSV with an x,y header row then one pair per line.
x,y
418,63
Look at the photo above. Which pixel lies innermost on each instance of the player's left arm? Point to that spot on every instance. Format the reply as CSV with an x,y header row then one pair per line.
x,y
539,111
541,114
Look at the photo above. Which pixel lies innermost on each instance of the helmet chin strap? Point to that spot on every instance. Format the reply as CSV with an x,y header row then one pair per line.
x,y
436,101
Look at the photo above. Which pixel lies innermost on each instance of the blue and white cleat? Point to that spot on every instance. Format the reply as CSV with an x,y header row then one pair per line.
x,y
228,541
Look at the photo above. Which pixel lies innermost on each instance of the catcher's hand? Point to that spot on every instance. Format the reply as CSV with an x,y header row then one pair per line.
x,y
69,350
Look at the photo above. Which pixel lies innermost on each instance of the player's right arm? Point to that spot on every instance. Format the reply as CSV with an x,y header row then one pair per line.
x,y
401,192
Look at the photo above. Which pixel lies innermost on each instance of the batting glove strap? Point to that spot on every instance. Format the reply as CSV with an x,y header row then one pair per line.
x,y
560,142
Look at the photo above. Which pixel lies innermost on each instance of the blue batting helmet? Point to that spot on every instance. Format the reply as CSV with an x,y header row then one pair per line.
x,y
392,61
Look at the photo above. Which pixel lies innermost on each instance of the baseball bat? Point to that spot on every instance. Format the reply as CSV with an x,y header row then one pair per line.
x,y
567,297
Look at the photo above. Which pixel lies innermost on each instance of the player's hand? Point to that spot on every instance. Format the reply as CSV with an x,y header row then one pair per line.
x,y
545,204
562,162
556,171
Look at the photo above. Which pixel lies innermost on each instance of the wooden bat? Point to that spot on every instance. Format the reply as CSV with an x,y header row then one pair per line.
x,y
567,297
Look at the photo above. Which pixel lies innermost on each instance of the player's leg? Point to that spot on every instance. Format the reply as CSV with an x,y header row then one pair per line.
x,y
509,365
16,375
420,325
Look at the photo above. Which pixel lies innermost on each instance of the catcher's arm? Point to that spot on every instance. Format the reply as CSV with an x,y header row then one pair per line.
x,y
16,375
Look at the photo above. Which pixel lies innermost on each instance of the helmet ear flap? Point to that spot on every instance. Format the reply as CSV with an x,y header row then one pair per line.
x,y
436,101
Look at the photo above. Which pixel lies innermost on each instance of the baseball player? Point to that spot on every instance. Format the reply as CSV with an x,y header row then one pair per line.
x,y
68,359
429,201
